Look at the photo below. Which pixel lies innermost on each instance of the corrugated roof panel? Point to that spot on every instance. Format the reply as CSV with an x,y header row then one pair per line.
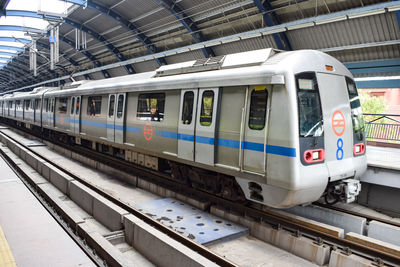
x,y
356,31
101,24
365,54
120,71
97,75
194,8
119,36
245,45
192,55
134,9
83,14
146,66
155,22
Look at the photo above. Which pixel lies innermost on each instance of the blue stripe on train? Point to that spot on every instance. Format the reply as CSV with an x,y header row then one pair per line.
x,y
269,149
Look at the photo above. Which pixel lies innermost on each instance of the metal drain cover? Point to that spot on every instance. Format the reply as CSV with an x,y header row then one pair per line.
x,y
195,224
31,143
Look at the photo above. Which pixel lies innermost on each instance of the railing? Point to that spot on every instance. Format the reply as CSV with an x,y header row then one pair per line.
x,y
382,127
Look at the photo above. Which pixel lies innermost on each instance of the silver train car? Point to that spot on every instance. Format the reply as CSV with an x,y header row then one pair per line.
x,y
277,128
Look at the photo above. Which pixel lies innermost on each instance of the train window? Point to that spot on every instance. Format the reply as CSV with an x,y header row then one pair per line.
x,y
207,103
46,104
18,104
78,105
309,105
10,104
187,108
151,107
37,104
111,106
52,105
62,105
120,106
258,109
27,104
72,105
356,112
94,105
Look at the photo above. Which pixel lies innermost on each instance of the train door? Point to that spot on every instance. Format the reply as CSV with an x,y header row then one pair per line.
x,y
71,115
337,125
36,110
187,123
206,122
119,118
50,113
75,113
115,118
254,130
111,118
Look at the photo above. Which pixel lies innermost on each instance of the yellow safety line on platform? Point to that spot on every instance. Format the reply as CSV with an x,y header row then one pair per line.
x,y
6,257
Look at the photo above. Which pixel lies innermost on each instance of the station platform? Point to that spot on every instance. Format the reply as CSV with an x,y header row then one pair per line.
x,y
29,236
383,157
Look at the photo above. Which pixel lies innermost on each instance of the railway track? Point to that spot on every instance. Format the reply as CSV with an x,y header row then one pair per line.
x,y
249,210
157,225
358,214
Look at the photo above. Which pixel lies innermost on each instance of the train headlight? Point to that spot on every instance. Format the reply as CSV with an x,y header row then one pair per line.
x,y
358,149
313,156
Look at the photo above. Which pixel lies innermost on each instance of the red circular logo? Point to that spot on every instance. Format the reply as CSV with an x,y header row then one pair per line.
x,y
148,131
338,123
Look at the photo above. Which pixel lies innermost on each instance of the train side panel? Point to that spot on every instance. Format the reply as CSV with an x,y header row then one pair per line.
x,y
94,123
62,113
228,130
157,133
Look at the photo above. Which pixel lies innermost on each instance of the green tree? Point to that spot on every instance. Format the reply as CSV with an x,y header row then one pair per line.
x,y
372,104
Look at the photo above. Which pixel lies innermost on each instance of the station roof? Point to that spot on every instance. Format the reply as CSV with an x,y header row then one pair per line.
x,y
133,36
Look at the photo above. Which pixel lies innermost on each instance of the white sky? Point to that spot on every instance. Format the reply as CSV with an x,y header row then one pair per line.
x,y
43,5
16,44
53,6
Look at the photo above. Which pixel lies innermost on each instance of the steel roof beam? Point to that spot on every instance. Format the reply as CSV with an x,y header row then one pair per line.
x,y
10,82
87,54
8,54
45,46
272,19
73,62
3,6
17,70
358,46
13,39
188,23
398,16
387,83
302,23
12,48
19,28
374,66
129,68
10,69
151,48
31,14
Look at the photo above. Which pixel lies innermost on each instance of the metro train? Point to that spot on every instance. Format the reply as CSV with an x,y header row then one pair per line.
x,y
274,127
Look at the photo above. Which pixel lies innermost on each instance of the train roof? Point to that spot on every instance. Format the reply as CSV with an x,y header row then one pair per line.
x,y
264,66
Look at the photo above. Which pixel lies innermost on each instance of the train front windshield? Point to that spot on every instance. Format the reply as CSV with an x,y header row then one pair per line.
x,y
356,112
310,114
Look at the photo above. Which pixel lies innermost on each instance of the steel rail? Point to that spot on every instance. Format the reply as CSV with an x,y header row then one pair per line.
x,y
359,214
200,249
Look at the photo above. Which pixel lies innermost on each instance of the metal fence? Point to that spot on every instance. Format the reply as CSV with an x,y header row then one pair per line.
x,y
382,127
